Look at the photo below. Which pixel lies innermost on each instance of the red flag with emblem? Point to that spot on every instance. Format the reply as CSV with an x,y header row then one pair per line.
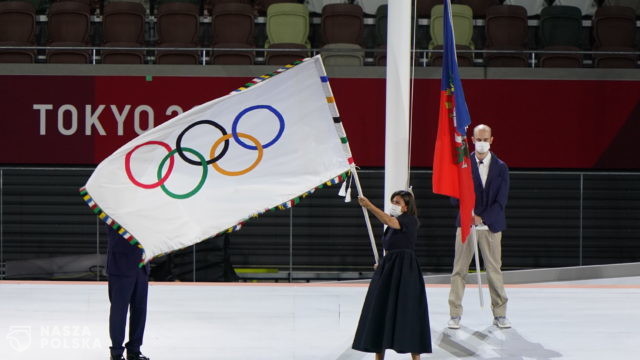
x,y
451,163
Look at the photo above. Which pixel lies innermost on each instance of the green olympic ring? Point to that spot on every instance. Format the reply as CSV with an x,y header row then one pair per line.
x,y
189,194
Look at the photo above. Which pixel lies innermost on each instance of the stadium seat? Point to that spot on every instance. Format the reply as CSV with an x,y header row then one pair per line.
x,y
561,30
634,4
287,33
587,7
123,26
479,7
506,29
423,7
68,26
370,6
342,23
232,27
381,35
381,25
233,56
92,4
146,4
463,31
162,2
232,23
39,5
315,6
211,4
263,5
287,23
178,25
462,23
614,29
534,7
285,53
342,28
17,28
341,54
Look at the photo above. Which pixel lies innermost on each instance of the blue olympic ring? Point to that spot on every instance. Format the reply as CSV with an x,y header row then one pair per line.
x,y
234,126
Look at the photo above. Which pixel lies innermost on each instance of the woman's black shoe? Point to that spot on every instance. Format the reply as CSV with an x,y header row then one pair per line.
x,y
137,356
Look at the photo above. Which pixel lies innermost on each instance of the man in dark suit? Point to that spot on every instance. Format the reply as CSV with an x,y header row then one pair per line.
x,y
491,184
128,288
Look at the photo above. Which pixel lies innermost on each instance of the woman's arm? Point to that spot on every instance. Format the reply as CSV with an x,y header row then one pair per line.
x,y
381,215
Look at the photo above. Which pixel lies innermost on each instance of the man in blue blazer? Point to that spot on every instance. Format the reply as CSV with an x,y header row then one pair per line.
x,y
491,183
128,288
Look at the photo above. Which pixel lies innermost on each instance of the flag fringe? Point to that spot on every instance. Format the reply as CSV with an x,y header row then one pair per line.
x,y
262,78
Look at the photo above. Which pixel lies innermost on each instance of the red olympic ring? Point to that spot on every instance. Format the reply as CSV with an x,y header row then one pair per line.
x,y
127,165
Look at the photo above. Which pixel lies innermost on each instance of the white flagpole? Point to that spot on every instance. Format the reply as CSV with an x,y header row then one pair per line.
x,y
475,245
398,107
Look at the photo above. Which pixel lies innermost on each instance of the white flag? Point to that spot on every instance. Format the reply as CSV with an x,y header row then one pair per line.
x,y
213,167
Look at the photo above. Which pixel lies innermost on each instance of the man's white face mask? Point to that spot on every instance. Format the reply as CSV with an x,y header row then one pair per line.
x,y
482,147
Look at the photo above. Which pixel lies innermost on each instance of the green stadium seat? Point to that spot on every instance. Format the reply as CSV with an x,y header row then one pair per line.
x,y
462,16
287,23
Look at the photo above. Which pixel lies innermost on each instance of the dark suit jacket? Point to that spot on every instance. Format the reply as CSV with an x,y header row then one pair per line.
x,y
491,200
122,257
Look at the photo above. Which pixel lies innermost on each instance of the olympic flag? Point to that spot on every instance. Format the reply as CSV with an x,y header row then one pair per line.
x,y
211,168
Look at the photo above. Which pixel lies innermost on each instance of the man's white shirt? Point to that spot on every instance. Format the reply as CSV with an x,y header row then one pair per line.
x,y
483,169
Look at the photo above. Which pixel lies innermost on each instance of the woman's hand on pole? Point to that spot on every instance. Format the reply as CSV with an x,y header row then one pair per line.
x,y
364,202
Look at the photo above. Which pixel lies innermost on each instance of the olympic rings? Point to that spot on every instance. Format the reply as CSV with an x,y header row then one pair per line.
x,y
214,159
203,162
234,127
180,150
241,172
161,180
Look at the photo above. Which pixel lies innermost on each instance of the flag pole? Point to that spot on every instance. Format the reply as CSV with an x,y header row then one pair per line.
x,y
366,216
475,246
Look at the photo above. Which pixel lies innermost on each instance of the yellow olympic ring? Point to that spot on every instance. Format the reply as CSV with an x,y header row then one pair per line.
x,y
222,171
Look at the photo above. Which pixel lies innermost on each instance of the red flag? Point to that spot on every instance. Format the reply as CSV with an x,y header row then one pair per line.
x,y
451,163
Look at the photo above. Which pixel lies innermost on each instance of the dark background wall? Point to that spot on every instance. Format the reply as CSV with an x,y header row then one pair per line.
x,y
554,219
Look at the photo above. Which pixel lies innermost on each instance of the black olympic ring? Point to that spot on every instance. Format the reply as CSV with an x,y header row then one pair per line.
x,y
210,161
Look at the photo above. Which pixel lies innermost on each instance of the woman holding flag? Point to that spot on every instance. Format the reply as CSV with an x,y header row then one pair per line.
x,y
395,314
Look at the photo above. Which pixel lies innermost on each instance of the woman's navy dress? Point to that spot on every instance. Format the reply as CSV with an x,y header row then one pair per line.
x,y
395,315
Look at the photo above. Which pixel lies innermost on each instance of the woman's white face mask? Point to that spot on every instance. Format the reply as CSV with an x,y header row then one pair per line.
x,y
395,210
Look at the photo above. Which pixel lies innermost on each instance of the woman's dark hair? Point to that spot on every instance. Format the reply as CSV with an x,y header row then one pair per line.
x,y
408,200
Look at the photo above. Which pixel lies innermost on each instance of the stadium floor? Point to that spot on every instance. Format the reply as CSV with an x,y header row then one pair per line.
x,y
585,320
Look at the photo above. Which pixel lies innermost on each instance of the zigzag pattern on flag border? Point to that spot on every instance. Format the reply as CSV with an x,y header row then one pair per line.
x,y
95,208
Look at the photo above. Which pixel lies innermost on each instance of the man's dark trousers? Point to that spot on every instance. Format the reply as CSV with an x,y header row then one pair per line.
x,y
128,289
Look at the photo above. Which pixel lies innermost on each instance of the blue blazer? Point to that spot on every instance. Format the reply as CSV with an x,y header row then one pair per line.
x,y
491,200
122,257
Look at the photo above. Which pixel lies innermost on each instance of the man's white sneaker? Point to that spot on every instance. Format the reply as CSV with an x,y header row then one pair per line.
x,y
502,322
454,323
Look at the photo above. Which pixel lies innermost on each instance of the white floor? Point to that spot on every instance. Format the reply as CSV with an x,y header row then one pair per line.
x,y
583,320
